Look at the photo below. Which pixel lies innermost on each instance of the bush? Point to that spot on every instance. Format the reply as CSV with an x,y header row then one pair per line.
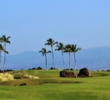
x,y
24,76
6,77
18,76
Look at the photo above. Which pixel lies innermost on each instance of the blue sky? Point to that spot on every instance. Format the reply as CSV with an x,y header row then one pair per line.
x,y
31,22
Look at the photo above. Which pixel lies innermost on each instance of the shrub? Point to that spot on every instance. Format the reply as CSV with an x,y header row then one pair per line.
x,y
6,77
24,76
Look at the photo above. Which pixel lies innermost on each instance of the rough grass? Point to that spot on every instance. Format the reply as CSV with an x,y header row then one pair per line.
x,y
51,87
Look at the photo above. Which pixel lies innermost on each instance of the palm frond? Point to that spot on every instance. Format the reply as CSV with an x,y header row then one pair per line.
x,y
5,39
40,51
6,52
8,37
46,43
51,42
55,42
8,41
49,51
60,46
74,48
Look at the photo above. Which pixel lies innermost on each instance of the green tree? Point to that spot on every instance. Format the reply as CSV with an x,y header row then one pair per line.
x,y
60,47
51,43
68,49
2,50
74,49
5,40
44,53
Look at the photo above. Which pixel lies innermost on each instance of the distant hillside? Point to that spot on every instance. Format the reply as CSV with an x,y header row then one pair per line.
x,y
92,58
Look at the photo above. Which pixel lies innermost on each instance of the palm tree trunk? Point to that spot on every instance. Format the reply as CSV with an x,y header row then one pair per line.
x,y
4,61
46,62
74,62
69,60
52,57
4,57
63,60
0,58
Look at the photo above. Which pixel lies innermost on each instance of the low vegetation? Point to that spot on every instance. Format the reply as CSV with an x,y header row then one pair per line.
x,y
21,75
6,77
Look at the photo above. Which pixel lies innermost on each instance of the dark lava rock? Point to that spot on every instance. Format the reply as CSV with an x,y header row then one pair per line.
x,y
66,73
23,84
108,70
34,68
84,72
39,68
52,68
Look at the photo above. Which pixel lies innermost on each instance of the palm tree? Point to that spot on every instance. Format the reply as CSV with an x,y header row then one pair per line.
x,y
51,43
68,49
2,50
44,53
60,47
5,40
74,50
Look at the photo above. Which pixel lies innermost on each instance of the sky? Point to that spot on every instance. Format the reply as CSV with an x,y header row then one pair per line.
x,y
31,22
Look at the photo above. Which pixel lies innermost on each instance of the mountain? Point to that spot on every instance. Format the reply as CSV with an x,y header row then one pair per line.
x,y
92,58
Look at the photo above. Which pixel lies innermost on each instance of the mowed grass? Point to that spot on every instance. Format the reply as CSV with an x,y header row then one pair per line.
x,y
51,87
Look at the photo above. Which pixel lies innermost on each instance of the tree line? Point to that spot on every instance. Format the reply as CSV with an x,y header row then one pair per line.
x,y
3,41
68,48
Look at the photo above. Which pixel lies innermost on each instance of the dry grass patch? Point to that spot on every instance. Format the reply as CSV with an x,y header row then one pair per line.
x,y
6,77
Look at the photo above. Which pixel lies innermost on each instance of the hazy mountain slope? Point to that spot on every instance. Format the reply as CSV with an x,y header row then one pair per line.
x,y
93,58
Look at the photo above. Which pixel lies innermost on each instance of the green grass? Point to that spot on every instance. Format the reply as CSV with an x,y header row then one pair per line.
x,y
51,87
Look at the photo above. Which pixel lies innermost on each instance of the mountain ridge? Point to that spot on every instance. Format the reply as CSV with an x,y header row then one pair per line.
x,y
92,58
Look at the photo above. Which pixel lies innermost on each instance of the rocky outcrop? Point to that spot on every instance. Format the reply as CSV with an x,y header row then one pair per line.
x,y
53,68
23,84
39,68
84,72
66,73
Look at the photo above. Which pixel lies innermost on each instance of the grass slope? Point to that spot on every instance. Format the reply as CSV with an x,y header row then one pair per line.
x,y
51,87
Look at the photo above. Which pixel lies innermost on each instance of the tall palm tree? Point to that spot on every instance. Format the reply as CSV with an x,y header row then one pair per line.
x,y
44,53
51,43
2,50
5,40
74,50
60,47
68,49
